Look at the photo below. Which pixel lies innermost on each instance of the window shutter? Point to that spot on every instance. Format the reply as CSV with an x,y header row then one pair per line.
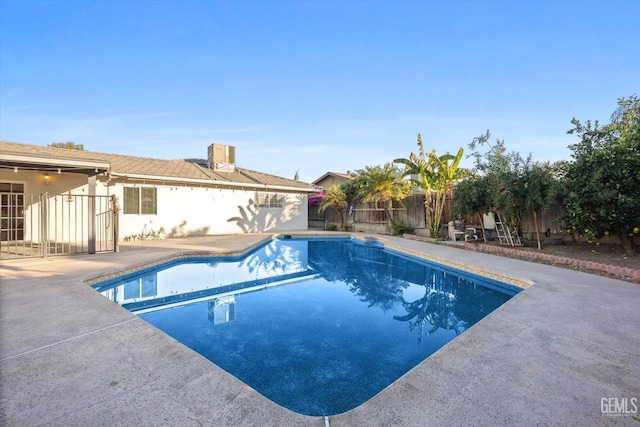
x,y
148,205
131,201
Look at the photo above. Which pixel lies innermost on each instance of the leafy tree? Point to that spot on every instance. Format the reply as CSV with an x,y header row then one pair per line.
x,y
603,179
500,169
436,176
512,185
540,189
380,185
68,145
335,198
351,189
471,198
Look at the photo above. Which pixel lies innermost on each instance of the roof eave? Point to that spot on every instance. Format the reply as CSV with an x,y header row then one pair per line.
x,y
47,162
210,182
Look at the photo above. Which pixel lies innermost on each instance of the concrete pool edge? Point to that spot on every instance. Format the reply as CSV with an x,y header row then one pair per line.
x,y
514,280
164,261
102,277
506,278
539,358
511,280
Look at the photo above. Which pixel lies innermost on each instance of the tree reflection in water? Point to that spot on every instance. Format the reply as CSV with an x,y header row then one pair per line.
x,y
380,279
276,259
435,310
363,268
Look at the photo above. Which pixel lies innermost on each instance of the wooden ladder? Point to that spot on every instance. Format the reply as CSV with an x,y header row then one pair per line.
x,y
506,236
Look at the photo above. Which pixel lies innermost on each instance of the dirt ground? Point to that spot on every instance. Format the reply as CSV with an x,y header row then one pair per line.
x,y
604,253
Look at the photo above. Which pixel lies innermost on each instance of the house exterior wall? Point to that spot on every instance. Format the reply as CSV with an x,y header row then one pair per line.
x,y
181,210
34,181
188,211
65,219
327,182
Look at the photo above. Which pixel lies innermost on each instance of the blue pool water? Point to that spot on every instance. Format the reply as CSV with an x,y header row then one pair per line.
x,y
319,326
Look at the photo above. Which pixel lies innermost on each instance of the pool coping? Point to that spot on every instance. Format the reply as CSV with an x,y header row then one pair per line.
x,y
497,372
509,279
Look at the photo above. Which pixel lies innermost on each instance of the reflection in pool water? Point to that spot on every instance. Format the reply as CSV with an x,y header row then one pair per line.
x,y
318,326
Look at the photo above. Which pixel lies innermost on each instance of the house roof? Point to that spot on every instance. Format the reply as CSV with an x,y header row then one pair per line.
x,y
13,154
345,176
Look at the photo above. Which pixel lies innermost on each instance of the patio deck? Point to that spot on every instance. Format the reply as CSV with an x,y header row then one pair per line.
x,y
549,356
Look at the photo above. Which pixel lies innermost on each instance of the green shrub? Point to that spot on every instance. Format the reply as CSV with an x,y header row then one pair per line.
x,y
398,228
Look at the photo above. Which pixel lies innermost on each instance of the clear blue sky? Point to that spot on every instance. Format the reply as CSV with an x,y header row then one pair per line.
x,y
313,86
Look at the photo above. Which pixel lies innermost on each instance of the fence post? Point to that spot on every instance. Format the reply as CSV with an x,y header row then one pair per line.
x,y
44,224
91,244
114,221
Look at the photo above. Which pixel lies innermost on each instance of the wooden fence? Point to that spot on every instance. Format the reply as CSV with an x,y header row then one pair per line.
x,y
412,214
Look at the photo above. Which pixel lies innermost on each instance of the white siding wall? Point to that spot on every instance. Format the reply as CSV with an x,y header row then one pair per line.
x,y
66,223
34,181
184,211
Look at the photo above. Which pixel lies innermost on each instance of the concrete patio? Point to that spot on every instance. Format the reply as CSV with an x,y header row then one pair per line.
x,y
559,353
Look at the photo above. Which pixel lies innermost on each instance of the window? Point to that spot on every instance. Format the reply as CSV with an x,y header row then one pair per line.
x,y
131,201
140,200
269,200
148,204
11,211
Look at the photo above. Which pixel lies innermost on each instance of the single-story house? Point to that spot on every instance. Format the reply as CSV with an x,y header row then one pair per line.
x,y
55,196
332,178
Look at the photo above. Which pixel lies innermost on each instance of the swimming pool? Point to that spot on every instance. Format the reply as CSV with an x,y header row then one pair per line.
x,y
317,325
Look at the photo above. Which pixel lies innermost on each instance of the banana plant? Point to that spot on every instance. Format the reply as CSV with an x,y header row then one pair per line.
x,y
435,175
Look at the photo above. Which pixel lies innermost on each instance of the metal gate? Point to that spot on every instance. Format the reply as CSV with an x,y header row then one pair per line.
x,y
39,225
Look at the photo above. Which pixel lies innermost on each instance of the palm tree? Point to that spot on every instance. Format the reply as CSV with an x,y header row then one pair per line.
x,y
336,199
437,174
382,185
